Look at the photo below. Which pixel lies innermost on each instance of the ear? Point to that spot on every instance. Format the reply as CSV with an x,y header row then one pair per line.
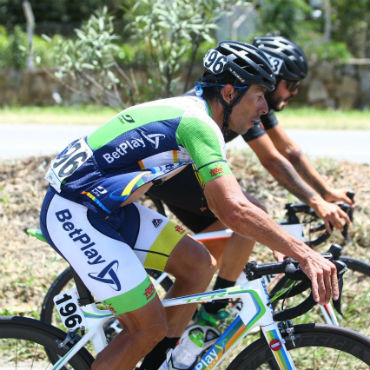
x,y
228,93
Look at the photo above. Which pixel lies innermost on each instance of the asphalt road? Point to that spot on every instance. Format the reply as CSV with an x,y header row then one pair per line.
x,y
19,140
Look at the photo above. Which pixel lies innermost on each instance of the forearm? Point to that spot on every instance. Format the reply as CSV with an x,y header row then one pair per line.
x,y
284,172
253,222
235,211
308,173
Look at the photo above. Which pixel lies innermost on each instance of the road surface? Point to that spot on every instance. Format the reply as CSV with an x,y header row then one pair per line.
x,y
20,140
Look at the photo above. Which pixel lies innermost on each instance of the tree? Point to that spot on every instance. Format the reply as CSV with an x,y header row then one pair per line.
x,y
169,33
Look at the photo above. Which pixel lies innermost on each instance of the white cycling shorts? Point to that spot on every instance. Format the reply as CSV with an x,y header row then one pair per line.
x,y
109,253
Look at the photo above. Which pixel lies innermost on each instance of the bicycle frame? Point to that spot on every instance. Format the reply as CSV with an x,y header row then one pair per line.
x,y
294,229
256,311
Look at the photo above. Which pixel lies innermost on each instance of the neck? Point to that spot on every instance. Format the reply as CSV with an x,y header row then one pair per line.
x,y
217,111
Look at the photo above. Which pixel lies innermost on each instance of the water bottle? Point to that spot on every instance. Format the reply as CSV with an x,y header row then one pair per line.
x,y
190,346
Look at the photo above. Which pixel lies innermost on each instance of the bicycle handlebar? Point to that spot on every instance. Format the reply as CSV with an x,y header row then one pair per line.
x,y
292,271
293,209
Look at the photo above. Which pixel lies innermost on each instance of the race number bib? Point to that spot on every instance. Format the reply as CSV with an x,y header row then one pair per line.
x,y
69,310
275,62
70,160
214,61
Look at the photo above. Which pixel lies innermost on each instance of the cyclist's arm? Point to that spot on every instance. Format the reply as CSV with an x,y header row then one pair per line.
x,y
281,169
226,199
286,175
291,151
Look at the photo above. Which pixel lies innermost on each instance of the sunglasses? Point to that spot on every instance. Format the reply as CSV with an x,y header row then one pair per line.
x,y
292,85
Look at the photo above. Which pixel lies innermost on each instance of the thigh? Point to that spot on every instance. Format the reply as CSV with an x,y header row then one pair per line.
x,y
151,235
105,263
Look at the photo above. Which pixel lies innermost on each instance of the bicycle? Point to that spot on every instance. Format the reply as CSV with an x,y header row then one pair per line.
x,y
280,346
299,219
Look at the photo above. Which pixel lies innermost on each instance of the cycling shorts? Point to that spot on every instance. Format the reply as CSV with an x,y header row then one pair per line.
x,y
185,198
109,253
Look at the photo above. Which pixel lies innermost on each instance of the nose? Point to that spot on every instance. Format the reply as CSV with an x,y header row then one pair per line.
x,y
264,108
295,91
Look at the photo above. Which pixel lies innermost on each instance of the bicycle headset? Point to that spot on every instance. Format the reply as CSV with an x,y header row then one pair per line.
x,y
287,59
238,64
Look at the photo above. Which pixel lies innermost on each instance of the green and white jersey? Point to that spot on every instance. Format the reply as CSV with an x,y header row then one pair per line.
x,y
137,146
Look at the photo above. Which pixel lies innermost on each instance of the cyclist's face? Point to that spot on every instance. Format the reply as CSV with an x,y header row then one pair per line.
x,y
282,94
249,109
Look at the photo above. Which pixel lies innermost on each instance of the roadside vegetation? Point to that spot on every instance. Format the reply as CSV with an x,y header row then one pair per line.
x,y
290,118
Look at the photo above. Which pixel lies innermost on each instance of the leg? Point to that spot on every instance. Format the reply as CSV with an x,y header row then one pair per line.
x,y
231,254
193,268
113,273
143,329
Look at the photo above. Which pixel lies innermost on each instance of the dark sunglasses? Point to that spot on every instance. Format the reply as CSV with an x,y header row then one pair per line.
x,y
292,85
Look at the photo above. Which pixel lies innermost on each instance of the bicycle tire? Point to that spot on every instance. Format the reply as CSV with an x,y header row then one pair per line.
x,y
340,349
37,337
65,278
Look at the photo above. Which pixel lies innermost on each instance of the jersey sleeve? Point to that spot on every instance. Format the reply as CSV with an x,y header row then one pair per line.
x,y
205,145
254,133
269,120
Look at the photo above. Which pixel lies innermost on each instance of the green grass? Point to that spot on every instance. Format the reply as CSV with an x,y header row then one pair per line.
x,y
75,115
324,119
290,118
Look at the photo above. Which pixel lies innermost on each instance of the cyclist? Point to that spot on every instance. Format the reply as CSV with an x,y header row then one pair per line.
x,y
90,217
278,153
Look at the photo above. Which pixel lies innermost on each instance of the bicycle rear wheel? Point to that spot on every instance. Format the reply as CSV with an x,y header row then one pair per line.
x,y
23,342
316,347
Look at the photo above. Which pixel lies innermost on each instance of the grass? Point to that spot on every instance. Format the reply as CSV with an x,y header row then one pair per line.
x,y
58,115
324,119
291,118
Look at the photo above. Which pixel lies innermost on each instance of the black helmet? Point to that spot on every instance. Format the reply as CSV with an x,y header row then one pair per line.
x,y
237,63
287,59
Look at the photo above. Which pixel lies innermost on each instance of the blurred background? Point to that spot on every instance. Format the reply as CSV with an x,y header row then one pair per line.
x,y
121,52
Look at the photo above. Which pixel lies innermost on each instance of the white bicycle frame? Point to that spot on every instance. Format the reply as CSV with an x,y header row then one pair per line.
x,y
255,312
252,293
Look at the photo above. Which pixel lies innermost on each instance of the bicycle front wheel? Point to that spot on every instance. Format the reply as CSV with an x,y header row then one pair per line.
x,y
23,342
314,347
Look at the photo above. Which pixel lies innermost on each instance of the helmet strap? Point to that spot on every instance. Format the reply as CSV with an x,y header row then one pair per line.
x,y
229,106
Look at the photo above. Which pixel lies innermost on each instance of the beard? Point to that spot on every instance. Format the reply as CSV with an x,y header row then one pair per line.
x,y
274,102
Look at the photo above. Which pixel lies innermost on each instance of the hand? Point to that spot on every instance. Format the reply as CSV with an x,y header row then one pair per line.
x,y
279,257
331,214
339,195
323,276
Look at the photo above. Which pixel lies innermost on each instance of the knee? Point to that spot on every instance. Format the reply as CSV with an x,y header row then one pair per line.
x,y
203,264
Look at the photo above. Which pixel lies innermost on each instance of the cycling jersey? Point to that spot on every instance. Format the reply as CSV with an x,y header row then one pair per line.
x,y
140,145
183,195
82,217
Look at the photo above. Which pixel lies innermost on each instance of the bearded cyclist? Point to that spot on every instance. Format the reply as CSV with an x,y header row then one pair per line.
x,y
90,216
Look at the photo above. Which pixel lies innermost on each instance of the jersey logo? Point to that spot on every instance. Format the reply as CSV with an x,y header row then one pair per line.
x,y
152,138
216,171
108,276
149,291
179,229
156,222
